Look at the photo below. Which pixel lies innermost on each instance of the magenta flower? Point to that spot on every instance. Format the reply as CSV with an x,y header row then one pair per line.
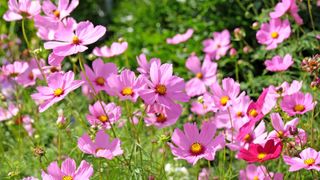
x,y
179,38
273,33
126,85
29,76
101,146
218,46
277,63
114,50
287,6
144,65
161,117
103,114
68,171
18,9
297,103
57,13
205,75
281,131
99,75
70,41
59,86
192,145
12,71
258,172
164,88
309,159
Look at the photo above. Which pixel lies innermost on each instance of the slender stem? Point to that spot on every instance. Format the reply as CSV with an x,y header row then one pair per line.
x,y
40,68
24,34
230,118
100,168
59,145
310,14
237,70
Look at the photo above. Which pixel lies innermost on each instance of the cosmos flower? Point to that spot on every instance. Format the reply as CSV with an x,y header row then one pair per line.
x,y
277,63
285,6
115,49
29,76
12,71
18,9
297,103
179,38
308,159
144,65
101,146
253,172
68,171
192,145
280,130
60,11
273,33
59,86
218,46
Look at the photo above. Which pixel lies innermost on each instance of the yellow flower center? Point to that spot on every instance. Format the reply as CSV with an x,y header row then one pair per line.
x,y
56,13
100,81
262,156
161,118
67,178
224,100
103,118
161,89
309,161
274,35
57,92
127,91
239,114
255,178
75,40
247,138
253,113
280,134
199,75
196,148
299,108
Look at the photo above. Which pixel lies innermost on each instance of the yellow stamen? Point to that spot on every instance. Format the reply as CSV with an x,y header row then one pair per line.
x,y
58,92
100,81
224,100
262,156
199,75
103,118
309,161
274,35
247,138
299,108
253,113
280,134
56,13
239,114
75,40
255,178
67,178
161,118
161,89
196,148
127,91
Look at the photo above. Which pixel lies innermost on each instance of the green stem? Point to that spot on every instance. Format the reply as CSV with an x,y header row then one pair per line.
x,y
237,70
310,14
24,34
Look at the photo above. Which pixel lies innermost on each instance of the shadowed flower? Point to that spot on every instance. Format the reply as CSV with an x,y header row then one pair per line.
x,y
277,63
179,38
29,76
18,9
62,10
309,159
287,6
114,50
12,71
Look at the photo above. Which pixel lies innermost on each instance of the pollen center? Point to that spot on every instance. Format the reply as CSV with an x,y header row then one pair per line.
x,y
127,91
75,40
239,114
299,108
255,178
67,178
247,138
31,76
199,75
280,134
161,118
274,35
196,148
56,13
103,118
100,81
161,89
309,161
224,100
253,113
262,156
57,92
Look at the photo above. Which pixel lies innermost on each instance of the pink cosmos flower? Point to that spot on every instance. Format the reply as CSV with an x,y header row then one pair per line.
x,y
281,131
225,95
192,145
57,13
27,124
205,75
163,88
161,117
259,153
99,75
59,86
18,9
258,172
29,76
277,63
218,46
68,170
70,41
309,159
273,33
287,6
103,114
286,89
179,38
12,71
126,85
114,50
144,65
101,146
7,113
204,174
297,103
30,178
200,107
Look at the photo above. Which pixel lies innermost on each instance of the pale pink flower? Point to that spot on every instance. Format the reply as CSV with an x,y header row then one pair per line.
x,y
18,9
60,11
12,71
253,172
29,76
277,63
144,65
273,33
115,49
289,6
68,170
9,112
309,159
218,46
70,41
179,38
281,130
297,103
101,146
27,124
286,89
59,86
